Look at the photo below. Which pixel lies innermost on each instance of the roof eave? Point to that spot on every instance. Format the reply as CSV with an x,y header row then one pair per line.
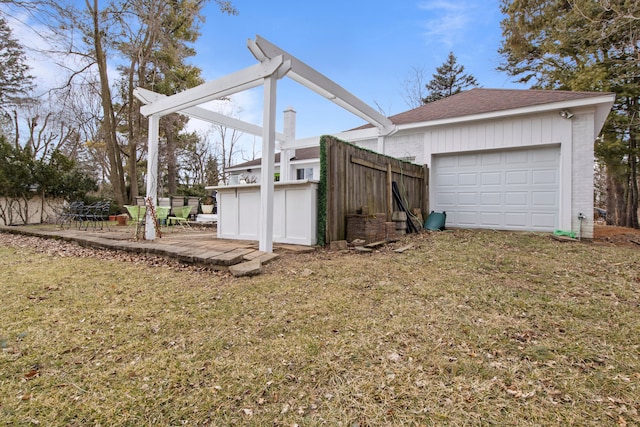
x,y
603,102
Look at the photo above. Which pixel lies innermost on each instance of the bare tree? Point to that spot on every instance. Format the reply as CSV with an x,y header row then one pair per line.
x,y
414,87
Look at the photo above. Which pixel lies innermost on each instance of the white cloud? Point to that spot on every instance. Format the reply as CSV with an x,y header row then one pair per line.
x,y
447,21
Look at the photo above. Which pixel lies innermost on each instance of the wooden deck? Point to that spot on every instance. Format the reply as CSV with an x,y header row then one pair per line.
x,y
197,245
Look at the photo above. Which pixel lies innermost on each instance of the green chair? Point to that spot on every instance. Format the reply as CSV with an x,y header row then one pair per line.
x,y
180,216
137,214
162,213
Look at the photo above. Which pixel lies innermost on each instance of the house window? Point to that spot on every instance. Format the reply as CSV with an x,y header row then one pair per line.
x,y
304,173
408,158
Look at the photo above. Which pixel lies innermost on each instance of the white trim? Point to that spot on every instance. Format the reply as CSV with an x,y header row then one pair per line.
x,y
607,100
320,84
239,81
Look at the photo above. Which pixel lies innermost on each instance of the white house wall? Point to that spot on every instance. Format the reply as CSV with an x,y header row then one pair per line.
x,y
575,136
255,170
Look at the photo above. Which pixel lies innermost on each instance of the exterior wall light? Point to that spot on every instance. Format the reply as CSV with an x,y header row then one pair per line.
x,y
566,114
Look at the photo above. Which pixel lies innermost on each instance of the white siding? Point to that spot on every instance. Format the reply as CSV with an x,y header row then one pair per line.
x,y
575,138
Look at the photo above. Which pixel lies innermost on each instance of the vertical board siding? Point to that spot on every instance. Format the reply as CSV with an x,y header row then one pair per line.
x,y
352,185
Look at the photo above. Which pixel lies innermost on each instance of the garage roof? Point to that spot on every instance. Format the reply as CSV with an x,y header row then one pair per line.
x,y
479,101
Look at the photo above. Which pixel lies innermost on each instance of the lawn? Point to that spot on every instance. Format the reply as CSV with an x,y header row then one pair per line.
x,y
466,328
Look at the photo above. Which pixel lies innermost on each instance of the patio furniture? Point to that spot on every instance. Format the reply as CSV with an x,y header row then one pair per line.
x,y
194,202
162,213
180,217
177,202
71,213
137,214
95,213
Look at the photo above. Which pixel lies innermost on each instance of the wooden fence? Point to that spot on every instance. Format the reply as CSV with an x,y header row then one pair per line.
x,y
354,179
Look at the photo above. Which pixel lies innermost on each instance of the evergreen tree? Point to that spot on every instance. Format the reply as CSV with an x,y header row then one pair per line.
x,y
448,80
15,80
586,45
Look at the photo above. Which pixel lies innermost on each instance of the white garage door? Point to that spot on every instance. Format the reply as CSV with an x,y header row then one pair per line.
x,y
504,190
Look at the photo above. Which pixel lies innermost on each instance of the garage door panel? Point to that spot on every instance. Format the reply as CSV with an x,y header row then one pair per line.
x,y
516,157
467,199
516,177
470,178
466,161
490,198
516,220
544,176
448,180
491,159
512,189
543,221
447,199
490,219
545,157
543,198
491,178
464,218
516,198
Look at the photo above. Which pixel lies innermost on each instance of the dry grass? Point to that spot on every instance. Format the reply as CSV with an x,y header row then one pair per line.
x,y
468,328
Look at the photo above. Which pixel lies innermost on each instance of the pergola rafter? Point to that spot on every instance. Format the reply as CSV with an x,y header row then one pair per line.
x,y
274,65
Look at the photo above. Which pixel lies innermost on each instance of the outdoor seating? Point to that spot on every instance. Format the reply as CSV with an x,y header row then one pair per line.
x,y
137,214
95,213
83,215
162,213
180,216
70,213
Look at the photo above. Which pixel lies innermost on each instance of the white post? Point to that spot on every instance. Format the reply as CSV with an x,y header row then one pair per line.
x,y
265,243
289,138
152,174
380,144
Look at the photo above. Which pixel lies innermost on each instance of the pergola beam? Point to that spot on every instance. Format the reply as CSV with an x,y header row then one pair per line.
x,y
147,97
239,81
305,75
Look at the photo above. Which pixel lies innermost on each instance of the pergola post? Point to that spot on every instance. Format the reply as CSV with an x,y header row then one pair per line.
x,y
152,174
274,64
265,232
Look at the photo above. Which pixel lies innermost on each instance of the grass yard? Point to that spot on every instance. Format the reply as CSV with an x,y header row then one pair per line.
x,y
467,328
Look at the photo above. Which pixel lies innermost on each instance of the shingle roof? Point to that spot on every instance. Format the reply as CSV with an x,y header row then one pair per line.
x,y
301,154
479,100
471,102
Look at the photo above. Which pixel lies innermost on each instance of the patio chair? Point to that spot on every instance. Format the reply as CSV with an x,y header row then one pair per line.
x,y
162,213
180,217
72,214
137,214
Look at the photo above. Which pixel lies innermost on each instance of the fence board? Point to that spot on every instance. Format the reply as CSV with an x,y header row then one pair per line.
x,y
358,178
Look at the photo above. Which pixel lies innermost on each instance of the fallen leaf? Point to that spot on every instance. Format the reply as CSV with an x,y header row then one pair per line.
x,y
32,374
247,411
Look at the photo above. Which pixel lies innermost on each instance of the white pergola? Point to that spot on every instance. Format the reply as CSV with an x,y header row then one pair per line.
x,y
274,64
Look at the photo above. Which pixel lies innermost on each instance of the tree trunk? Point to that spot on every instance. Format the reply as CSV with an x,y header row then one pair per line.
x,y
133,131
116,172
632,194
172,164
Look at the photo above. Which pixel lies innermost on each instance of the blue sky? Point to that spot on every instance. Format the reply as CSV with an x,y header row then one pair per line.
x,y
367,47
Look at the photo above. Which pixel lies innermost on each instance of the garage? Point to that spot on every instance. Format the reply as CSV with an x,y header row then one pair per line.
x,y
512,189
